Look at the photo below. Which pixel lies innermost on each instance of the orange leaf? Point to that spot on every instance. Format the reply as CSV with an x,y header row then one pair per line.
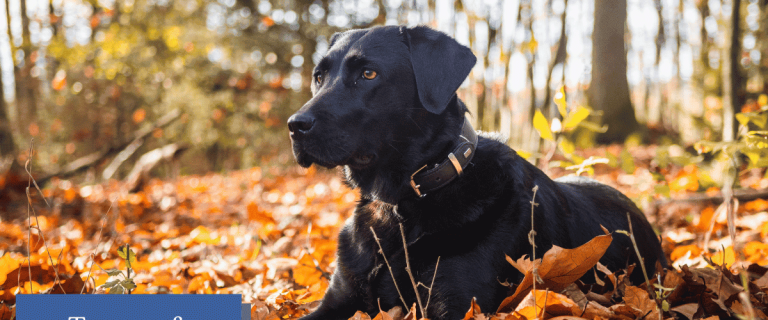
x,y
638,298
704,219
256,214
523,264
728,257
306,273
559,268
756,205
388,315
474,310
139,115
7,265
764,230
360,316
59,81
411,315
681,251
554,304
203,235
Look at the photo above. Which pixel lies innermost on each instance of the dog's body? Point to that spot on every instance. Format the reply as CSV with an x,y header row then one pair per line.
x,y
384,105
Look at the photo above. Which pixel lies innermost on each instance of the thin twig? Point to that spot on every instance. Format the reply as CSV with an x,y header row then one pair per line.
x,y
532,241
544,307
128,263
431,285
648,287
92,255
744,297
27,167
639,257
29,220
381,250
728,199
410,274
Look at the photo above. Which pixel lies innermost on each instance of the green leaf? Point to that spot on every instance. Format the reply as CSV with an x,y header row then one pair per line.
x,y
110,284
613,161
742,119
128,284
523,154
113,272
662,190
116,290
753,155
541,125
760,120
560,102
566,146
594,127
577,159
575,118
627,162
705,180
129,257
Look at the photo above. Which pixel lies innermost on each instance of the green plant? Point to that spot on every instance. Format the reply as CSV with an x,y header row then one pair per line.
x,y
752,139
563,134
125,285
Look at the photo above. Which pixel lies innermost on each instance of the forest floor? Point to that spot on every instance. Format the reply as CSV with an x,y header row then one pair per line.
x,y
270,235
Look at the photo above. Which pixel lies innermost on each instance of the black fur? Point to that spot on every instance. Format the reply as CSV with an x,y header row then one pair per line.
x,y
384,129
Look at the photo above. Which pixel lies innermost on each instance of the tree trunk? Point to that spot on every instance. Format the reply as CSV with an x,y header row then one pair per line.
x,y
609,90
7,145
26,85
560,56
731,75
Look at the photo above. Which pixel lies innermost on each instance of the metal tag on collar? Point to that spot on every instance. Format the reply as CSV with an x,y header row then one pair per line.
x,y
455,163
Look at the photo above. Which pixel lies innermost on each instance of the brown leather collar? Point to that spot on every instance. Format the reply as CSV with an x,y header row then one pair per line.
x,y
443,173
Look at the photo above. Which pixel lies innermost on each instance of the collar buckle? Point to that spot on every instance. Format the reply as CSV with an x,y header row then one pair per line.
x,y
416,186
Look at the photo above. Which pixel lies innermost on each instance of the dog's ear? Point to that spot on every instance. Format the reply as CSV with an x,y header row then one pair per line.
x,y
440,65
335,37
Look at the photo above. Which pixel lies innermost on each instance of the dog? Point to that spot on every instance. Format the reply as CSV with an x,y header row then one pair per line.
x,y
384,108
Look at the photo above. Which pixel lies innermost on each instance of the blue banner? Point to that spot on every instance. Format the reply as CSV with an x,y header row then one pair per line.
x,y
130,307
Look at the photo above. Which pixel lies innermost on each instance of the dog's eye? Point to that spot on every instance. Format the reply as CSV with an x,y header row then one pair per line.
x,y
369,74
319,78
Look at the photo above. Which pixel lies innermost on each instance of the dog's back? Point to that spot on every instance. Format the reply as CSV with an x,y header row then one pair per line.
x,y
612,209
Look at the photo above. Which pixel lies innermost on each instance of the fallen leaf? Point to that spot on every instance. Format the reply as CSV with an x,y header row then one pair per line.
x,y
638,298
411,315
547,303
559,268
687,310
474,310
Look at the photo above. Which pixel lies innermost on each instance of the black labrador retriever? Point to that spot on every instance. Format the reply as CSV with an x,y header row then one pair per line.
x,y
385,108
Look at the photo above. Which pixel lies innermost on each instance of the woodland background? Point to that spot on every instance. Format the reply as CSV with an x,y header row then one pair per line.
x,y
162,125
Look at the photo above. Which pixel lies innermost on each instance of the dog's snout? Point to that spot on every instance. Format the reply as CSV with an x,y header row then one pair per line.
x,y
299,124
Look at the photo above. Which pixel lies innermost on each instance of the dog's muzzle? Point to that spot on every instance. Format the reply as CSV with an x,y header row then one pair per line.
x,y
300,124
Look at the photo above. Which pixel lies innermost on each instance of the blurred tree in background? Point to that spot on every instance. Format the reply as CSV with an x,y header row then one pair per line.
x,y
97,83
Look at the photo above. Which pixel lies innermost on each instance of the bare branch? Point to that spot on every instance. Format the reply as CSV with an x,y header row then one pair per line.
x,y
381,250
410,274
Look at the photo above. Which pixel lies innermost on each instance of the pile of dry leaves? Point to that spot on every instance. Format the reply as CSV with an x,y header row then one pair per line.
x,y
270,235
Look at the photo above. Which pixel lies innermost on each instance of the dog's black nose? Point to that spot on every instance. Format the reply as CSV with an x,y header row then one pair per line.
x,y
299,124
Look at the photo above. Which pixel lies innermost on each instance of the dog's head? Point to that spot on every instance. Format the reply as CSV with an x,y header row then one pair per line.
x,y
381,95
